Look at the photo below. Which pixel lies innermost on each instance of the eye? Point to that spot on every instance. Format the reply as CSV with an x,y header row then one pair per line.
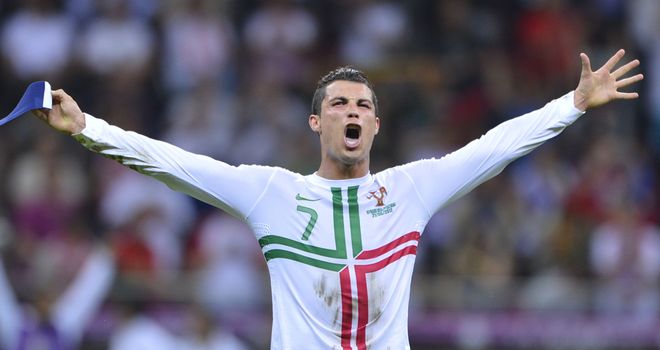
x,y
337,101
365,105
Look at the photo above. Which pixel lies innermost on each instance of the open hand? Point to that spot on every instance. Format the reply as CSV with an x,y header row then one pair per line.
x,y
600,87
65,115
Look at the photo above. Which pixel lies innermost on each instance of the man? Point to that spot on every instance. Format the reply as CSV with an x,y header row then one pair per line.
x,y
56,322
340,243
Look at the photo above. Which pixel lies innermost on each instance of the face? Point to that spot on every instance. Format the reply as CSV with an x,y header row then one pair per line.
x,y
347,124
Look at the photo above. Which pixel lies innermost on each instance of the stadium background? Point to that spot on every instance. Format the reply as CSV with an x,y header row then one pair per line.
x,y
561,251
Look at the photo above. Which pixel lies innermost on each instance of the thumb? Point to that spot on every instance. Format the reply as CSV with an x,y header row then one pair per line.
x,y
586,64
58,95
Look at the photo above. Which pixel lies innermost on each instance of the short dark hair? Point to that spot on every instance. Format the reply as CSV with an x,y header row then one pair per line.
x,y
342,73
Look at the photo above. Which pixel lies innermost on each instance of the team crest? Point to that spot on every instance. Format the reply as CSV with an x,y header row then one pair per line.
x,y
379,196
381,208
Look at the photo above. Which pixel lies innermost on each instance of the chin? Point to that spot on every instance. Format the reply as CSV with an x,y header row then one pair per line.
x,y
350,160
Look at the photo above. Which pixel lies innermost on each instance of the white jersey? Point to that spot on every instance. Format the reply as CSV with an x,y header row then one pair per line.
x,y
340,253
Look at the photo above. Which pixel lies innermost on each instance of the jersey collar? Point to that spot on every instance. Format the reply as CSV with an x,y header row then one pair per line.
x,y
321,181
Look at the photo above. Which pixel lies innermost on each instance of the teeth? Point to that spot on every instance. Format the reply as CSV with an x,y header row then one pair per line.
x,y
351,143
352,136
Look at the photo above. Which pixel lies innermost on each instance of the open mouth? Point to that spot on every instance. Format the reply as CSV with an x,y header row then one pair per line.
x,y
352,135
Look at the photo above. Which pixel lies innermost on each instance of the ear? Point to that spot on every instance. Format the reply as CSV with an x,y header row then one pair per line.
x,y
315,123
377,125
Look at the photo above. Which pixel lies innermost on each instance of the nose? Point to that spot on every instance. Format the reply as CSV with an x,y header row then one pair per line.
x,y
353,111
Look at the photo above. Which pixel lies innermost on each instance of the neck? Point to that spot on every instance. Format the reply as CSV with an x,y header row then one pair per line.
x,y
340,171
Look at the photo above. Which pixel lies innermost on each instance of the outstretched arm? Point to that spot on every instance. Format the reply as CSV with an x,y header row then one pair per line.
x,y
458,173
233,189
602,86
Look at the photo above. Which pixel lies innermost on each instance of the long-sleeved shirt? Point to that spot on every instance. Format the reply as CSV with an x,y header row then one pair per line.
x,y
340,253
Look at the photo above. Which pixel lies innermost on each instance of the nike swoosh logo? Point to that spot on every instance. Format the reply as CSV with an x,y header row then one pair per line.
x,y
301,198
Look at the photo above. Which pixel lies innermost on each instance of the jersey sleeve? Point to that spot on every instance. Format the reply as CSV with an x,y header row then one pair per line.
x,y
234,189
440,181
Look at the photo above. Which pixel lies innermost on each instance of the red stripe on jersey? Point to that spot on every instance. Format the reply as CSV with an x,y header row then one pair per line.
x,y
346,308
363,295
363,309
374,253
362,291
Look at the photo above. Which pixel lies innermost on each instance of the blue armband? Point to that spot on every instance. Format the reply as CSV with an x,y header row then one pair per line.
x,y
36,96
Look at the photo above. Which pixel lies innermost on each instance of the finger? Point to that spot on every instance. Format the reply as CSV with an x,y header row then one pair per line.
x,y
627,81
40,114
586,64
626,95
58,95
614,60
621,71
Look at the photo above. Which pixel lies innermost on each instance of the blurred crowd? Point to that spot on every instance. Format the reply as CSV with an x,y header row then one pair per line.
x,y
572,227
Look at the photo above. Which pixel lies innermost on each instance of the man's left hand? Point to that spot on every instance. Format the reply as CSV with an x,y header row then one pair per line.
x,y
602,86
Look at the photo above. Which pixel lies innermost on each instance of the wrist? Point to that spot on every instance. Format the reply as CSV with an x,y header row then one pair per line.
x,y
579,101
78,124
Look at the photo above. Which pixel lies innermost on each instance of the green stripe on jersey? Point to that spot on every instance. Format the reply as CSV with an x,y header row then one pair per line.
x,y
340,239
330,253
354,219
338,220
284,254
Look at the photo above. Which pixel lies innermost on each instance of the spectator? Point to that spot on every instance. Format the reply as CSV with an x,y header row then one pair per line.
x,y
46,188
116,44
137,330
644,27
278,36
55,322
203,120
625,255
228,264
198,45
373,32
35,28
169,214
205,335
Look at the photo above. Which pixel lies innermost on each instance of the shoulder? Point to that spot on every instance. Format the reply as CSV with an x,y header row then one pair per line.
x,y
272,173
266,169
281,173
406,170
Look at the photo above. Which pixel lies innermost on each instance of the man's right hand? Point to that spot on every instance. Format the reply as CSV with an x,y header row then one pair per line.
x,y
65,115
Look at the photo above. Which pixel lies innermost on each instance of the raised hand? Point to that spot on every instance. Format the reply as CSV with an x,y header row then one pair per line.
x,y
65,115
602,86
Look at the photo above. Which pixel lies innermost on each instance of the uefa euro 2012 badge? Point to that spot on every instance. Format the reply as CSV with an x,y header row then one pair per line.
x,y
36,96
381,207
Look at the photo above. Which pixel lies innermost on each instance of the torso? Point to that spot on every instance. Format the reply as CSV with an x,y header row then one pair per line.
x,y
340,256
